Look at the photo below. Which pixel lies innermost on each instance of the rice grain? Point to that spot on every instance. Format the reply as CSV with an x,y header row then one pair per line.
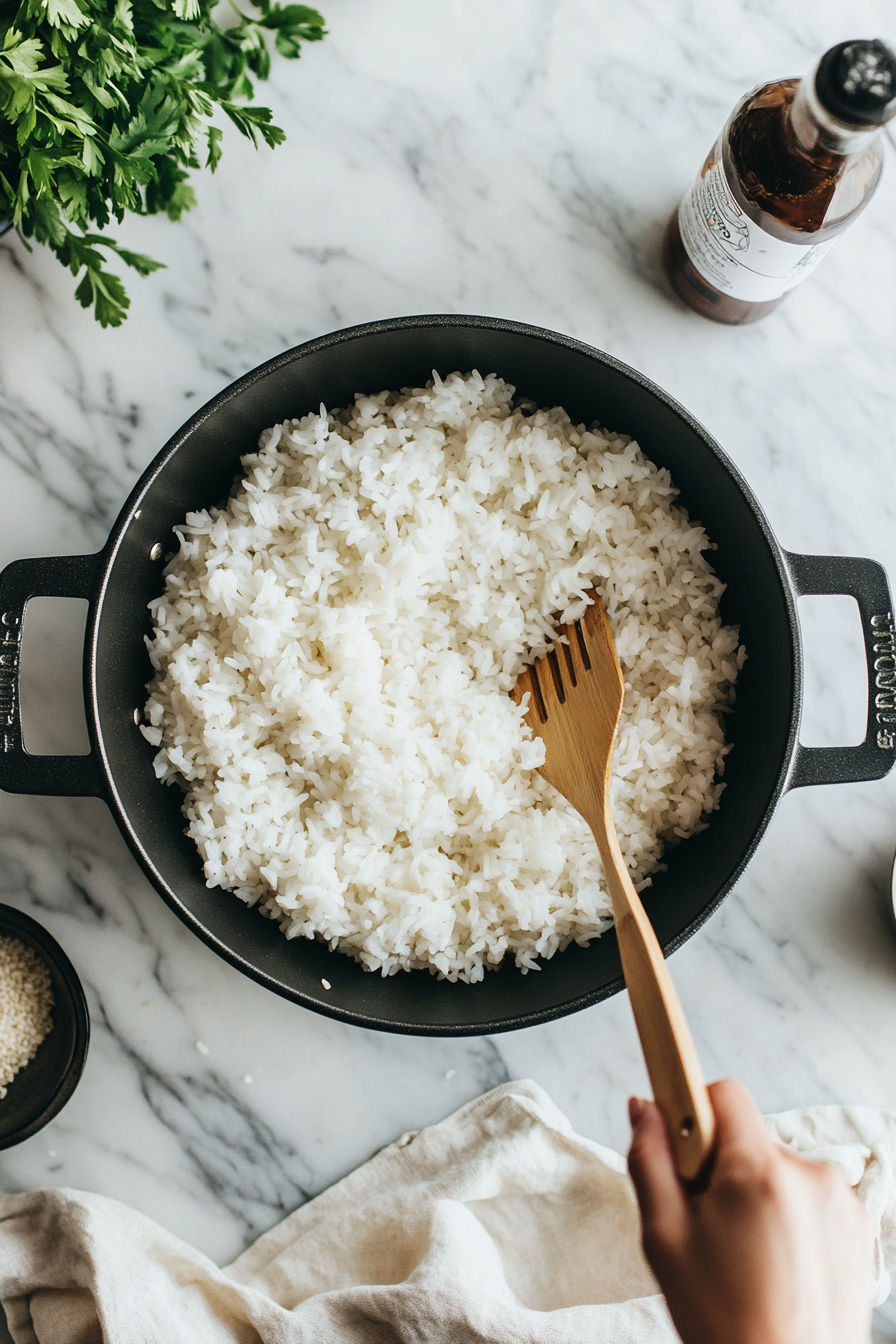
x,y
26,1003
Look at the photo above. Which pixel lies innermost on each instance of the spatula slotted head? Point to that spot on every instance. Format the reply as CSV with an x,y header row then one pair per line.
x,y
575,698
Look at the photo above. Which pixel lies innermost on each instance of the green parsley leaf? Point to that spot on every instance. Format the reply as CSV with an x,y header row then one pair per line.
x,y
104,105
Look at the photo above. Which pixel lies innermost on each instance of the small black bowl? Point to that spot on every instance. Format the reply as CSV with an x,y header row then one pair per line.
x,y
40,1090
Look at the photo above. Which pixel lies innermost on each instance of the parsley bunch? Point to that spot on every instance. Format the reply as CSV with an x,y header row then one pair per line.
x,y
104,105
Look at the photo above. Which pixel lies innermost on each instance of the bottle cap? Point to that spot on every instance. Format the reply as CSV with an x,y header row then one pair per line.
x,y
856,83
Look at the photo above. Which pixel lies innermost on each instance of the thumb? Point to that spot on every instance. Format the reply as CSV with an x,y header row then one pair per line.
x,y
661,1197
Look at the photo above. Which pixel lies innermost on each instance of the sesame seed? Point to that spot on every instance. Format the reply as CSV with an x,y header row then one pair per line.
x,y
451,1073
326,984
26,998
202,1047
247,1077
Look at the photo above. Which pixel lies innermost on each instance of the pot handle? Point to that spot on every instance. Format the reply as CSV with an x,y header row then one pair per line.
x,y
866,581
20,771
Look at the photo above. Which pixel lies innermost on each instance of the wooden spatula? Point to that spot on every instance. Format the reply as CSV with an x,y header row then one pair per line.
x,y
576,693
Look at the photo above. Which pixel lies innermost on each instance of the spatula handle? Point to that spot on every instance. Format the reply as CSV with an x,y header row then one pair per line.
x,y
672,1063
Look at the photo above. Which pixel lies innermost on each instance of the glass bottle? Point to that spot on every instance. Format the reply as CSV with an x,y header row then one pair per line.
x,y
796,162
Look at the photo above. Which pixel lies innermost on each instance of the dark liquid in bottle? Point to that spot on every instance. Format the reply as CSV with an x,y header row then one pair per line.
x,y
774,173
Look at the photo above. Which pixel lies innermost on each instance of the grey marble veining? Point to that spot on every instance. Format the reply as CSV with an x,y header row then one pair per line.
x,y
519,159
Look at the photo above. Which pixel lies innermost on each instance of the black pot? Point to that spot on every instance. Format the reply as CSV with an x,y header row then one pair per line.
x,y
197,468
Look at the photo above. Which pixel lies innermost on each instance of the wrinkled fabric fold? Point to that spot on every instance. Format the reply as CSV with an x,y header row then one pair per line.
x,y
499,1224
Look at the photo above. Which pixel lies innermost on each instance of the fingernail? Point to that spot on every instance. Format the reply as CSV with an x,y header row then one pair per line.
x,y
635,1110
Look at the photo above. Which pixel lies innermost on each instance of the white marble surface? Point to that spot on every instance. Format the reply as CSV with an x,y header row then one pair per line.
x,y
512,157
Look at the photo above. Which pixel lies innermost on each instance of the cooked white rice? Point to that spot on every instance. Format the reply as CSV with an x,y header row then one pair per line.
x,y
334,651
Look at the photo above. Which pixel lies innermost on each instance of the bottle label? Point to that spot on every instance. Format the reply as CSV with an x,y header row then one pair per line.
x,y
730,251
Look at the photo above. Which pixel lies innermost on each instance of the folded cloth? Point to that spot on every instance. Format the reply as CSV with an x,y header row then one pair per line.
x,y
499,1224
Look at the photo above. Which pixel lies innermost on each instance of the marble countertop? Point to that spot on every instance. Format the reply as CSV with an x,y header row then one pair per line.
x,y
516,158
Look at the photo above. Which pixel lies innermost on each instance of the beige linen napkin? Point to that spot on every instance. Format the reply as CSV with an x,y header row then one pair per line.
x,y
499,1224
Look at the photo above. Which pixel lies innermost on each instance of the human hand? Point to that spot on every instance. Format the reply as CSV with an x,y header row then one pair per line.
x,y
775,1250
